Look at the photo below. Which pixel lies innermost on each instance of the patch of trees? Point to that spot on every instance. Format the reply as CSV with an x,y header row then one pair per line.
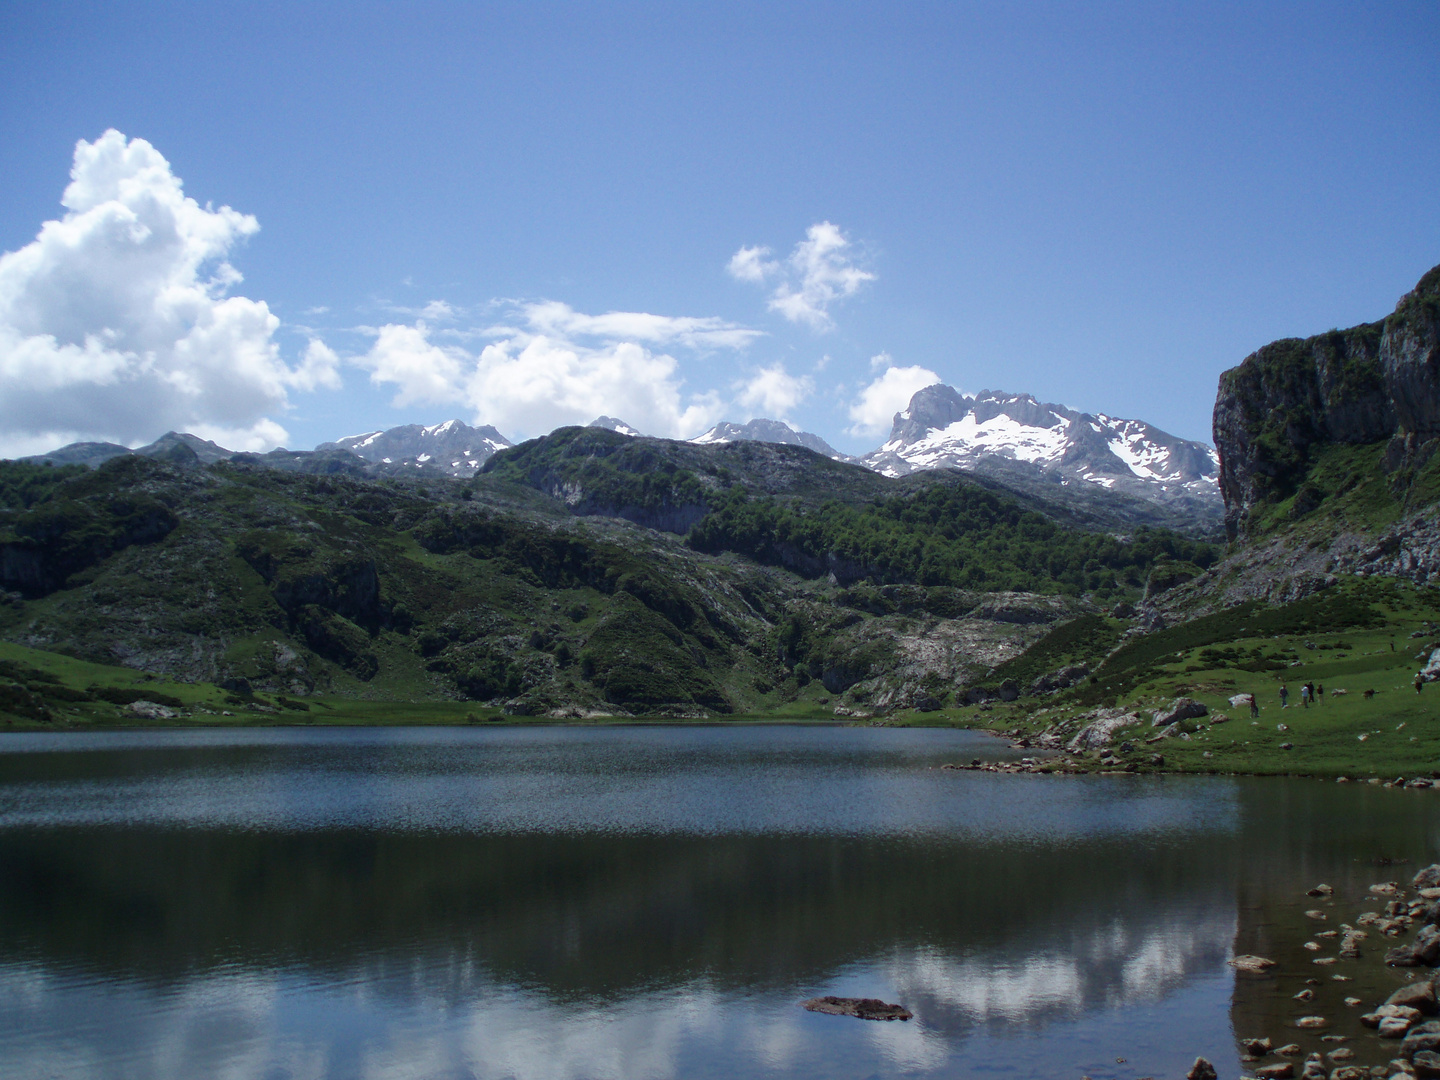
x,y
959,536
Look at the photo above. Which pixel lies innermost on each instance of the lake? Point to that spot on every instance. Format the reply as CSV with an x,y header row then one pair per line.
x,y
562,903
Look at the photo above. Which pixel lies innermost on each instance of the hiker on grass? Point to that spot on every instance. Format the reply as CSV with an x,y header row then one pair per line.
x,y
1254,707
1305,695
1419,682
1320,694
1284,697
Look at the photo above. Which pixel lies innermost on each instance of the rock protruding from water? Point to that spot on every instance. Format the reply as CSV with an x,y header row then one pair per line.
x,y
1427,1063
1422,1037
1201,1070
1416,995
1424,951
862,1008
1255,965
1429,878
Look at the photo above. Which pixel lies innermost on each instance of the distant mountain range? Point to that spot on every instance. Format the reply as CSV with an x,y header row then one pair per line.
x,y
1011,438
454,447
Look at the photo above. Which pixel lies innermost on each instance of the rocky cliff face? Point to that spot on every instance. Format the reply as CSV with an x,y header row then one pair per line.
x,y
1373,382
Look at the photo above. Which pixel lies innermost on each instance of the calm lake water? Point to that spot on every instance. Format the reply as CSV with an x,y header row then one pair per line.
x,y
644,902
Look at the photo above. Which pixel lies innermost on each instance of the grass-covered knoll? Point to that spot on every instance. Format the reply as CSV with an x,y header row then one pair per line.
x,y
1135,661
957,535
664,484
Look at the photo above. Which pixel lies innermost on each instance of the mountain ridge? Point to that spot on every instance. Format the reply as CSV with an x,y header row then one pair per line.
x,y
452,447
1015,440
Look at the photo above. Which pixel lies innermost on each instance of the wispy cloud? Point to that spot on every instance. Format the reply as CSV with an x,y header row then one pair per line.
x,y
818,273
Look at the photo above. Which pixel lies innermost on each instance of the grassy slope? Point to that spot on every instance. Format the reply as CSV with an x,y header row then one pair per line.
x,y
1401,728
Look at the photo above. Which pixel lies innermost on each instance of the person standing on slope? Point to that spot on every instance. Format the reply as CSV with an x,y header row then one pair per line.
x,y
1284,697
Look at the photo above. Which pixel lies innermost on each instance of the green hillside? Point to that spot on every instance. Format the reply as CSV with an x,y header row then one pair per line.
x,y
494,591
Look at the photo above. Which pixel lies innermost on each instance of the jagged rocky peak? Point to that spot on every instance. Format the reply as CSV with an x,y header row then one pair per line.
x,y
1376,382
771,431
609,423
453,448
995,431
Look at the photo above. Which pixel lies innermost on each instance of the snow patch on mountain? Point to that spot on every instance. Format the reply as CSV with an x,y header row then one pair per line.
x,y
610,423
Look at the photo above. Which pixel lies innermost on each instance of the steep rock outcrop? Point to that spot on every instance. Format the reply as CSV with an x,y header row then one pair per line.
x,y
1370,383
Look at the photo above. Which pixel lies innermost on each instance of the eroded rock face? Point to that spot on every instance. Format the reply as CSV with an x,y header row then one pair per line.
x,y
1372,382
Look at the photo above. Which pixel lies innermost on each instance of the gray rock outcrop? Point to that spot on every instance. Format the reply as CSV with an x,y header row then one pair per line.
x,y
1182,708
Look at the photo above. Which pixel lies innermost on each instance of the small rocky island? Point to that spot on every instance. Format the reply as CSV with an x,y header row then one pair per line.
x,y
861,1008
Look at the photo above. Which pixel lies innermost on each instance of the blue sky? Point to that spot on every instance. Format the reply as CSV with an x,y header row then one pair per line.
x,y
436,206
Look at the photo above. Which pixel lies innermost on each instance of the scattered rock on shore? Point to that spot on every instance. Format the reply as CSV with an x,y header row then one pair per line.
x,y
152,710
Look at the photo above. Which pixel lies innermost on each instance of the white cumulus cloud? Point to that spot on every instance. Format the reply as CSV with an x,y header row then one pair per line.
x,y
874,410
818,273
550,365
752,264
115,321
772,392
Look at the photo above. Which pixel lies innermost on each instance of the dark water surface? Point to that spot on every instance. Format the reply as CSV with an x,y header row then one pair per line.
x,y
643,902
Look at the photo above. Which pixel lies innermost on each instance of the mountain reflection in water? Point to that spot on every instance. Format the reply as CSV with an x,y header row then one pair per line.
x,y
622,903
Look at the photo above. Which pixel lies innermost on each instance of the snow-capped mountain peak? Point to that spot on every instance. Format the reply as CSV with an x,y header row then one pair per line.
x,y
773,431
996,432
